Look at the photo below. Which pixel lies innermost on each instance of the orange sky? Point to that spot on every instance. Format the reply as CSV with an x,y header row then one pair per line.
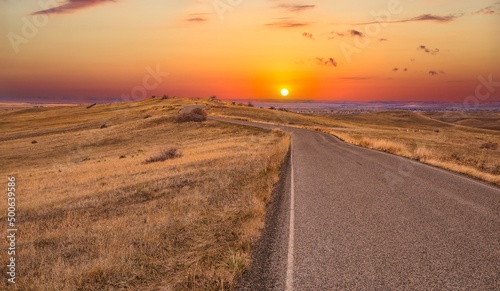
x,y
322,50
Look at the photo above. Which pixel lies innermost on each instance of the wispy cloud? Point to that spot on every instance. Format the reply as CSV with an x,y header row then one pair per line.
x,y
295,8
308,35
423,17
435,73
197,19
351,32
354,33
71,6
397,70
428,50
287,23
326,62
486,10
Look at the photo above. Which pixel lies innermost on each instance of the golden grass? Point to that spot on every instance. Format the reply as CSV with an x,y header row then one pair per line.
x,y
455,147
93,216
422,154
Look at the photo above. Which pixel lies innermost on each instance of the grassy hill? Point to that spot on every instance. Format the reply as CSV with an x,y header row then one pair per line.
x,y
93,214
430,138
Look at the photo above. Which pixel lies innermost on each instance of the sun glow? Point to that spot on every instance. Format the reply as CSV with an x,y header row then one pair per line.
x,y
284,92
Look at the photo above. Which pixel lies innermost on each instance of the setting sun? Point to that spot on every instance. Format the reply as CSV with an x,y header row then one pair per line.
x,y
284,92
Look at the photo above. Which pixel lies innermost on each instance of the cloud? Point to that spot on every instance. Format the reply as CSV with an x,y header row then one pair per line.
x,y
286,23
423,17
307,35
337,33
428,50
351,32
326,62
435,73
295,8
354,33
197,19
71,6
486,10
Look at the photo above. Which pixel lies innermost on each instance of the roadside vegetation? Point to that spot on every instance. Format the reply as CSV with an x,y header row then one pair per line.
x,y
143,203
466,143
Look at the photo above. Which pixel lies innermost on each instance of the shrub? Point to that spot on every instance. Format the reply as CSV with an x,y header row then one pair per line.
x,y
196,115
164,155
489,146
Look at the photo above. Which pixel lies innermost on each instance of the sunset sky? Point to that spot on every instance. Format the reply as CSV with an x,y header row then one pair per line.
x,y
430,50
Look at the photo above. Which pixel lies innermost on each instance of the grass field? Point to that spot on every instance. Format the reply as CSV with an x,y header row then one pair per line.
x,y
94,215
441,139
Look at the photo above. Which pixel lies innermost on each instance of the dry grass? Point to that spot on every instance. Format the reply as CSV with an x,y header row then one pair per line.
x,y
195,115
93,216
164,155
428,138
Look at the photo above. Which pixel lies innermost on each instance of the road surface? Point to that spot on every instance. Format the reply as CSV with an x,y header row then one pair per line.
x,y
349,218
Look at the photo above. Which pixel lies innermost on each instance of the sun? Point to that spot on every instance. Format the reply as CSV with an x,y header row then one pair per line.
x,y
284,92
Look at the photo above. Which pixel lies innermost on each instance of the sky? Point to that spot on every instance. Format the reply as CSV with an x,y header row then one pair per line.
x,y
377,50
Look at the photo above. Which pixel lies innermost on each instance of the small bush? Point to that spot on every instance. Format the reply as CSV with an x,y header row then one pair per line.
x,y
489,146
196,115
34,142
272,108
164,155
278,132
104,126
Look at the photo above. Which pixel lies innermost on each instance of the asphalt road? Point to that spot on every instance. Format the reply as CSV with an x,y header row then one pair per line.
x,y
349,218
